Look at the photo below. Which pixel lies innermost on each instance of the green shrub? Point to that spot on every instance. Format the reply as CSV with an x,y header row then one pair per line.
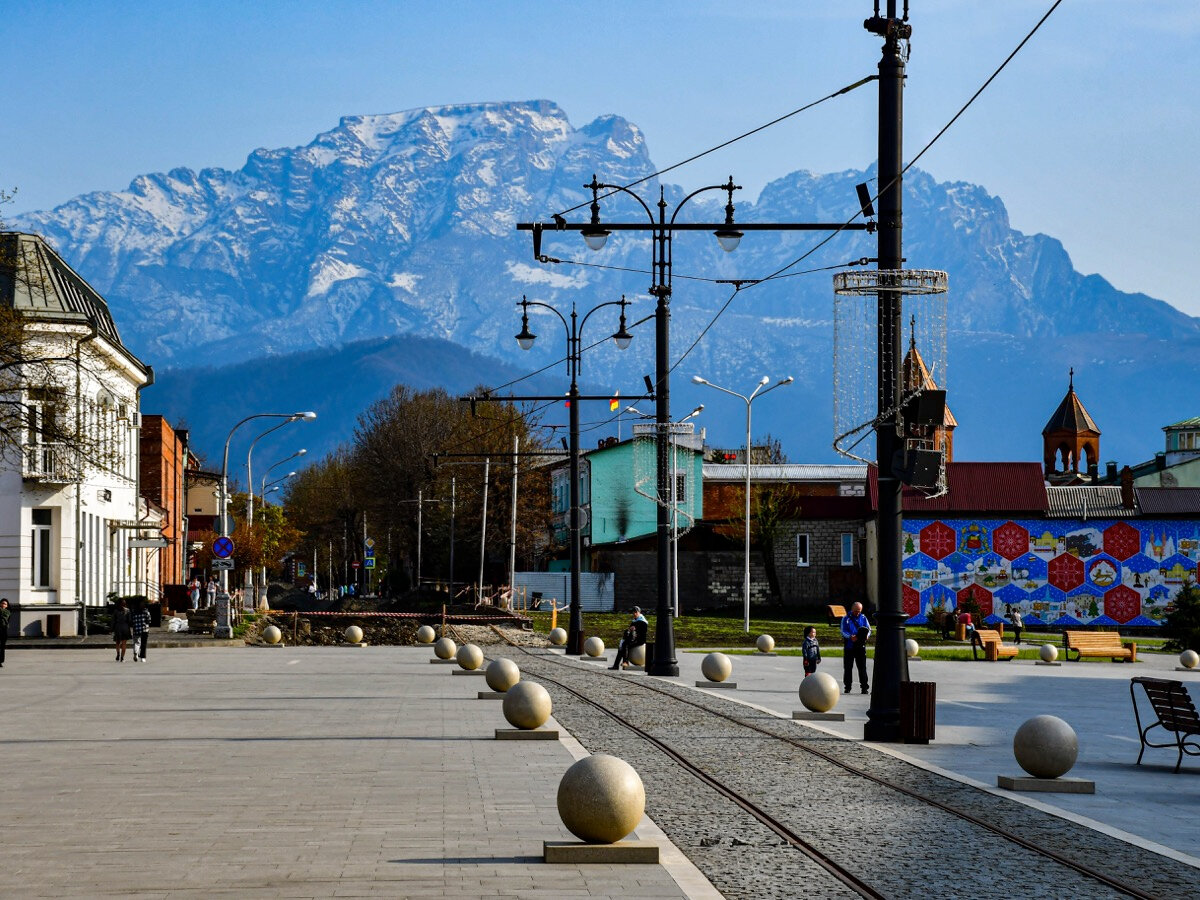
x,y
1182,625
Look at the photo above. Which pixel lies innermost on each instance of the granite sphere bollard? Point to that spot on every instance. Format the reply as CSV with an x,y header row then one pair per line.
x,y
469,657
1048,652
911,648
527,705
1046,747
426,634
819,692
272,635
716,667
637,655
445,648
353,634
593,646
558,636
501,674
765,643
601,799
1189,659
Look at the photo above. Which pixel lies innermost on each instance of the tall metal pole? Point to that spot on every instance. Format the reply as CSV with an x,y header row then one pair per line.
x,y
664,627
487,466
575,626
512,540
420,508
746,546
453,513
891,662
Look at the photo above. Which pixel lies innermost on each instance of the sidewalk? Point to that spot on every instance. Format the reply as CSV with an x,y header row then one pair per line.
x,y
159,638
980,705
277,772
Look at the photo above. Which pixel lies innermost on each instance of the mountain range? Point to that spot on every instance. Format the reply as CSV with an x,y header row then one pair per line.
x,y
386,250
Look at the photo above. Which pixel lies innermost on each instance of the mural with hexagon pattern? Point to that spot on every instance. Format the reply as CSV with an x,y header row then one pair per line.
x,y
1055,571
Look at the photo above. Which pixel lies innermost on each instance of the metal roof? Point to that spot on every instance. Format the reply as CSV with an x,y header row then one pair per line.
x,y
1087,501
784,472
1193,422
1168,501
978,487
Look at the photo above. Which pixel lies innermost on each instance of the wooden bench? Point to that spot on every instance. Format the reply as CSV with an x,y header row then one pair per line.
x,y
1176,714
993,645
1100,644
836,613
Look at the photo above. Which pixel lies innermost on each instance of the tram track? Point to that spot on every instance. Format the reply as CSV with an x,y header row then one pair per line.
x,y
784,831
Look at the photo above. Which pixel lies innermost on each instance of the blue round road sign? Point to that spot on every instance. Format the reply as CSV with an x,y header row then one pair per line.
x,y
222,548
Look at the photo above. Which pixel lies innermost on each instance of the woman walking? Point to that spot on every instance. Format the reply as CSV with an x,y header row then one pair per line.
x,y
121,628
140,625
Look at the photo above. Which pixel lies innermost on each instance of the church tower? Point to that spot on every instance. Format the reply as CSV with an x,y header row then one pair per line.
x,y
915,376
1069,437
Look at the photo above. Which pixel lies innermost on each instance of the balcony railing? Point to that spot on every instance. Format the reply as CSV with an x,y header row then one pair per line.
x,y
53,463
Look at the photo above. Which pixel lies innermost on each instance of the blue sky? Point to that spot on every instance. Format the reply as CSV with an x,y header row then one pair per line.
x,y
1088,136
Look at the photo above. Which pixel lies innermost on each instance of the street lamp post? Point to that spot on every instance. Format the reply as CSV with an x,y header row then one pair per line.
x,y
748,400
662,230
223,627
574,330
295,455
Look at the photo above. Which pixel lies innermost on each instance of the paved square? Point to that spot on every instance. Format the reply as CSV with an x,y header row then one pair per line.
x,y
309,772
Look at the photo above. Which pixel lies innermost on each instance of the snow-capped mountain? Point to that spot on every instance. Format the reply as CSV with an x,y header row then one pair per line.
x,y
405,224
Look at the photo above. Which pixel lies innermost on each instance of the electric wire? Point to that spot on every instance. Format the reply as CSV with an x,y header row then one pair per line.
x,y
845,90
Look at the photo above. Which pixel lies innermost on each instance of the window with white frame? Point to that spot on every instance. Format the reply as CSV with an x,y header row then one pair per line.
x,y
40,549
847,549
802,550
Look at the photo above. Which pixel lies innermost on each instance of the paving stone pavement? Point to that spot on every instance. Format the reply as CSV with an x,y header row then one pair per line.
x,y
291,773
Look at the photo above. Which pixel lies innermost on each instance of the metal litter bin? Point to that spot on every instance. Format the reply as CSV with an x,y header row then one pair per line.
x,y
918,711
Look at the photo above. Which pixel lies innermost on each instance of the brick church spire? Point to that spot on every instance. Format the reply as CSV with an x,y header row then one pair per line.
x,y
1069,437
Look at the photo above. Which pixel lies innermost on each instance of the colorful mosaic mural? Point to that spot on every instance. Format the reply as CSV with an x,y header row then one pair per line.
x,y
1055,571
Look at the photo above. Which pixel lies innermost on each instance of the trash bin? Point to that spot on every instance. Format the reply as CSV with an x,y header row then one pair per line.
x,y
53,625
576,649
649,656
155,614
918,711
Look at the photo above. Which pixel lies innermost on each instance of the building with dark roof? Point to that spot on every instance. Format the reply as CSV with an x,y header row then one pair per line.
x,y
1071,441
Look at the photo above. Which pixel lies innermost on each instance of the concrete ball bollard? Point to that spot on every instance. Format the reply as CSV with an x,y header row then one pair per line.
x,y
445,648
353,634
558,636
593,646
272,635
637,655
501,675
819,692
716,667
1189,659
426,634
527,705
1046,747
601,799
469,657
1048,652
765,643
911,648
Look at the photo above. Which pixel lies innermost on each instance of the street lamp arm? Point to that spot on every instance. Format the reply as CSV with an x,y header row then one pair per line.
x,y
730,186
622,303
615,188
526,303
717,387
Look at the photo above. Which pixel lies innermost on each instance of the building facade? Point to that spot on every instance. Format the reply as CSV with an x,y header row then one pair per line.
x,y
69,498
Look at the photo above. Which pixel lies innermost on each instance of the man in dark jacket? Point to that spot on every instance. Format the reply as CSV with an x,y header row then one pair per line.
x,y
855,631
4,614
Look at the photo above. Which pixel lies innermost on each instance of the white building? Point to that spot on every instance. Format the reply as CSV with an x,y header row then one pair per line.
x,y
69,470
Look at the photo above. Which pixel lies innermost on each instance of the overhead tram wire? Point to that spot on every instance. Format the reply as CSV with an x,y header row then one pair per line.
x,y
845,90
783,271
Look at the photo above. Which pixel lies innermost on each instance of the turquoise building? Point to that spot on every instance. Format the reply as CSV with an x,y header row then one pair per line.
x,y
617,482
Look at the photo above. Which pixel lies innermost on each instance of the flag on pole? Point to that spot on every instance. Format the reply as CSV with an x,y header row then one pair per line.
x,y
615,403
